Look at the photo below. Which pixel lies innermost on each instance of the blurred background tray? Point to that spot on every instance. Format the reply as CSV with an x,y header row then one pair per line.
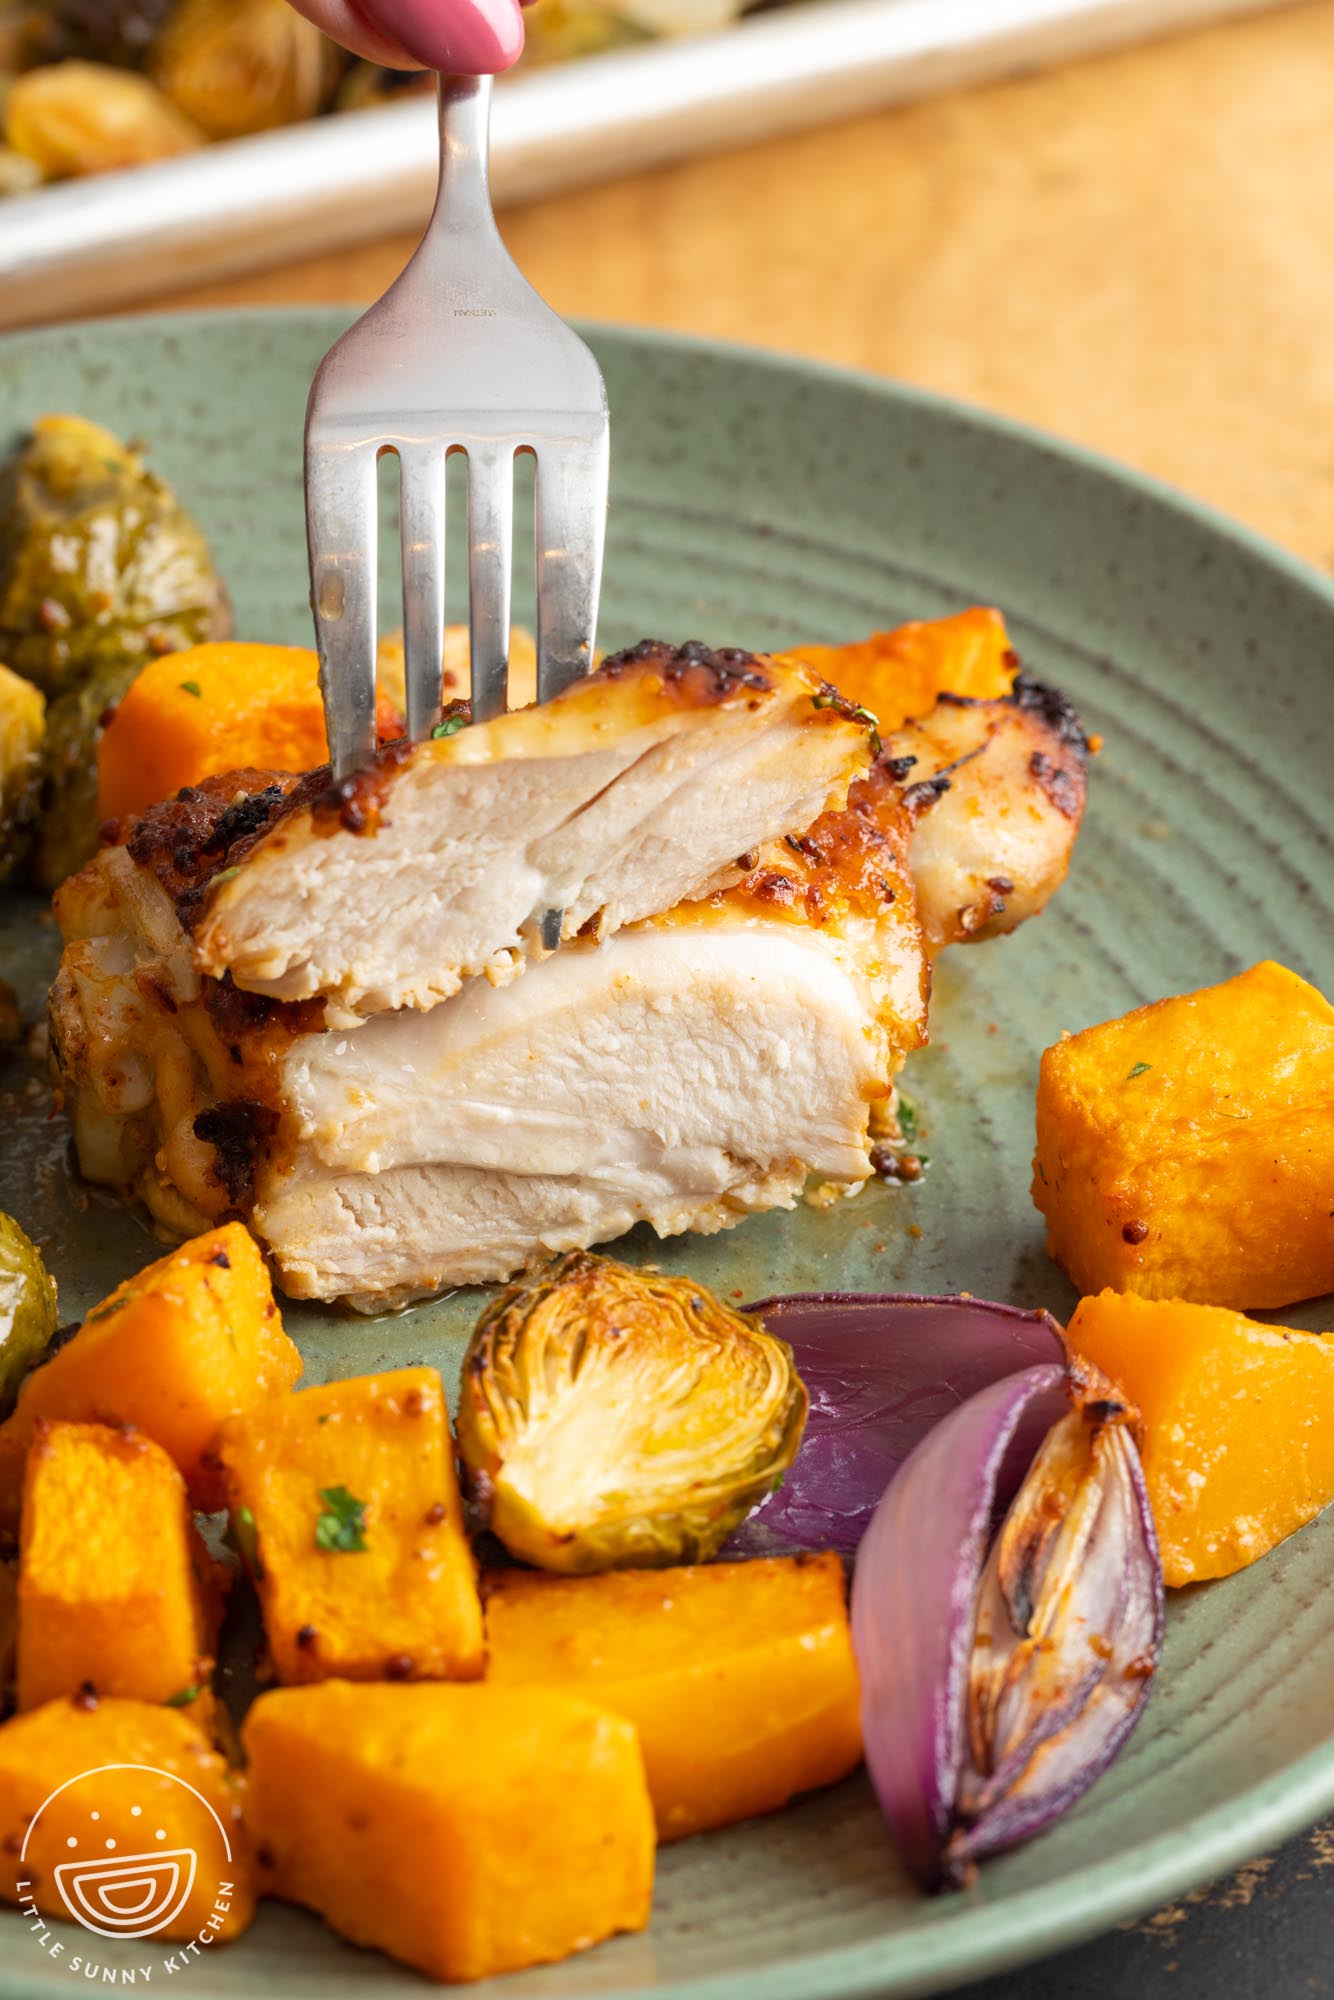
x,y
84,245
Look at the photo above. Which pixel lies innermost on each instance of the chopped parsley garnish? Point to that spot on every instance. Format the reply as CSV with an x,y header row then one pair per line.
x,y
192,687
183,1697
910,1123
832,699
341,1527
243,1536
450,726
1138,1070
105,1310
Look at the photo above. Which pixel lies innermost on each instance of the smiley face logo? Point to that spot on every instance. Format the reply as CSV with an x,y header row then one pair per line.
x,y
129,1882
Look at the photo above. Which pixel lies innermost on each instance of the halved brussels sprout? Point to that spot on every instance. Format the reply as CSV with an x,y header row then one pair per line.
x,y
561,30
611,1418
22,727
18,174
73,118
98,559
236,66
109,31
70,822
27,1309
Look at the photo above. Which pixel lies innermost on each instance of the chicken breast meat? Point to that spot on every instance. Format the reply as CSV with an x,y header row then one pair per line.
x,y
635,789
687,1060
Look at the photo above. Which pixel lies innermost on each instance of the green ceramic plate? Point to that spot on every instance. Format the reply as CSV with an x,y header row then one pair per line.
x,y
757,500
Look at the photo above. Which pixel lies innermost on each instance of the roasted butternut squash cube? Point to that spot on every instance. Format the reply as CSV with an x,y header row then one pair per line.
x,y
110,1595
739,1677
223,706
173,1351
102,1802
1238,1449
901,675
465,1830
1187,1149
349,1499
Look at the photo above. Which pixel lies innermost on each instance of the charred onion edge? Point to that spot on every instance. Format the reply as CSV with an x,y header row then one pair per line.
x,y
914,1605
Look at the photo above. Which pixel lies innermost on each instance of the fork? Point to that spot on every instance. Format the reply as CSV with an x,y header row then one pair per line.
x,y
459,355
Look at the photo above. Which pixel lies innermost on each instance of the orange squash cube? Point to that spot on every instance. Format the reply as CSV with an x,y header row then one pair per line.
x,y
465,1830
739,1677
144,1796
1187,1149
173,1351
350,1496
1237,1445
109,1594
225,706
901,675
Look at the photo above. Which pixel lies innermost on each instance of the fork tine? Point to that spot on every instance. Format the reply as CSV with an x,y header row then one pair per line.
x,y
571,529
341,524
422,514
490,561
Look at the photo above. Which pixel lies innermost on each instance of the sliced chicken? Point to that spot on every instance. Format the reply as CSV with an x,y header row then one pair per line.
x,y
693,1064
997,791
685,1072
635,789
681,1075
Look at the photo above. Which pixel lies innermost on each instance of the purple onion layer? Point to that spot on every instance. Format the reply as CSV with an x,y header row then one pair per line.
x,y
1002,1672
882,1372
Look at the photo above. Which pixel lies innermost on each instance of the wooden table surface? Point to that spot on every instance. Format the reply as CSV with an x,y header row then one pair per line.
x,y
1137,252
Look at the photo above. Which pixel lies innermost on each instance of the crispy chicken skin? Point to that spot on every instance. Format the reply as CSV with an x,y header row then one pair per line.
x,y
996,791
635,789
689,1060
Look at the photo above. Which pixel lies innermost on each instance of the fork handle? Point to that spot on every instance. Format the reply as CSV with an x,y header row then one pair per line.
x,y
463,199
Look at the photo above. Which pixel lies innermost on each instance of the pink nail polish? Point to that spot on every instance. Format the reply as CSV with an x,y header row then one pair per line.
x,y
466,37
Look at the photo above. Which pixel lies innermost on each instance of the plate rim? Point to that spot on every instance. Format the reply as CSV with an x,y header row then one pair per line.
x,y
1104,465
991,1936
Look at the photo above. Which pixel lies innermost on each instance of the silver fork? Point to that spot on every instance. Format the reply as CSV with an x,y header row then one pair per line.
x,y
459,354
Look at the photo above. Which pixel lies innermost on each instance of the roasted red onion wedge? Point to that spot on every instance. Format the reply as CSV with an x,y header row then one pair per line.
x,y
1001,1674
881,1372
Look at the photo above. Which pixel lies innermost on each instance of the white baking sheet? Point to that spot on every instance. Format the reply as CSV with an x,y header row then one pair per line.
x,y
86,245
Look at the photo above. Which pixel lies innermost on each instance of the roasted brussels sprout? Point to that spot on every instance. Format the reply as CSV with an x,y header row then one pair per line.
x,y
365,84
18,174
611,1418
22,727
27,1309
235,66
98,559
558,31
74,118
108,31
67,830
